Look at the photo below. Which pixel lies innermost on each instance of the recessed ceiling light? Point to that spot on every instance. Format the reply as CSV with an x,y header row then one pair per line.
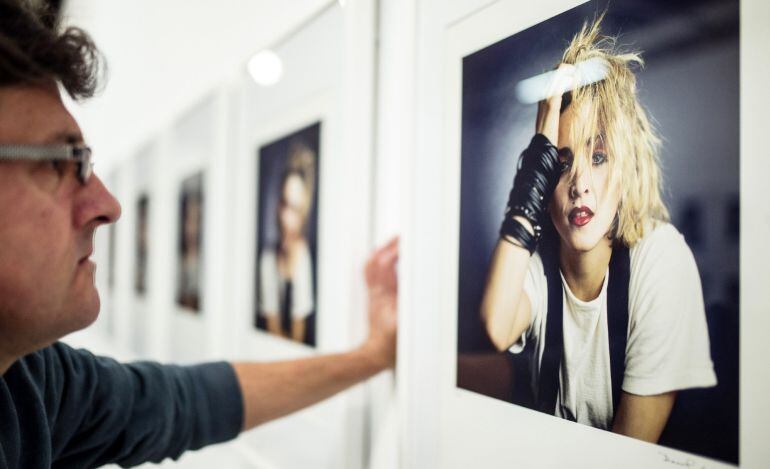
x,y
266,68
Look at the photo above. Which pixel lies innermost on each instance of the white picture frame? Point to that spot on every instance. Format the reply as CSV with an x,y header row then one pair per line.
x,y
315,88
446,426
197,144
258,342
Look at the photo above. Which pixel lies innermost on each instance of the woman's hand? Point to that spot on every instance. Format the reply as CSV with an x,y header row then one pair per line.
x,y
548,110
539,170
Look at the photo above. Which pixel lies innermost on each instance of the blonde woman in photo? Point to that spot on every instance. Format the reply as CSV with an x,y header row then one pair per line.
x,y
588,276
286,269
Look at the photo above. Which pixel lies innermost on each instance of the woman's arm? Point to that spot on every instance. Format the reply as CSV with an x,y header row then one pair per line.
x,y
274,325
643,417
505,308
298,330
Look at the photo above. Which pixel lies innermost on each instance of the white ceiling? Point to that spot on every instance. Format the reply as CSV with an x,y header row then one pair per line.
x,y
164,55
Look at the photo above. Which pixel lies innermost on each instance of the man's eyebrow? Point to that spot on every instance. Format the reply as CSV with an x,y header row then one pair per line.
x,y
566,152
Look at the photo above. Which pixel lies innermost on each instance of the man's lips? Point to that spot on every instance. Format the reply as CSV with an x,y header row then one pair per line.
x,y
580,216
86,257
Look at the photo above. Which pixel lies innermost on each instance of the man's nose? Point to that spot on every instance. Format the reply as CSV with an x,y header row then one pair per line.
x,y
96,203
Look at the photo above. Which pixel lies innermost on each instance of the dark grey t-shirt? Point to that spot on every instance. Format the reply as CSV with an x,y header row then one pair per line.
x,y
66,408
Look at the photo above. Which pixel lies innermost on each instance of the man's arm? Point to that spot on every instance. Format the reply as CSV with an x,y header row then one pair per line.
x,y
272,390
643,417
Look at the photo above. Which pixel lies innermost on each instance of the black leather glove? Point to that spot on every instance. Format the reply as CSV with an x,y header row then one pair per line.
x,y
536,179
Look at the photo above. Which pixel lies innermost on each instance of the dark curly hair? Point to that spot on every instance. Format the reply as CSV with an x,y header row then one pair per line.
x,y
33,51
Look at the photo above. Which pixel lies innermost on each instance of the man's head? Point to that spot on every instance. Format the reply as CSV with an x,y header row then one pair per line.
x,y
49,216
34,52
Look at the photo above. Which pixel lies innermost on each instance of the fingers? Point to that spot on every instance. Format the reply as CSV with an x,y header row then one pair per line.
x,y
388,249
388,254
380,266
562,80
385,255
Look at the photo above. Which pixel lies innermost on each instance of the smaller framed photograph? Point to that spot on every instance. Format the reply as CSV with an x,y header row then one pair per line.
x,y
190,258
287,233
141,240
111,257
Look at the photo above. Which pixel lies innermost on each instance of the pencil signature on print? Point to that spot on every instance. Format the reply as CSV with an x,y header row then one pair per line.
x,y
667,458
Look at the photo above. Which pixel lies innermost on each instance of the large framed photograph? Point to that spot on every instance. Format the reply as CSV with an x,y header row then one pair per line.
x,y
642,358
287,233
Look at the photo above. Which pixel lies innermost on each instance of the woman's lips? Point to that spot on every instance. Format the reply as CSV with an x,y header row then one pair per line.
x,y
580,216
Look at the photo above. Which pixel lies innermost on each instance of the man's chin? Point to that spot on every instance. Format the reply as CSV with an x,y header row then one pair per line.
x,y
87,312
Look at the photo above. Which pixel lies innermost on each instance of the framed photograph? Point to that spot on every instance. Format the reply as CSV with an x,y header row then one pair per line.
x,y
500,378
190,257
287,232
308,103
142,239
695,361
111,257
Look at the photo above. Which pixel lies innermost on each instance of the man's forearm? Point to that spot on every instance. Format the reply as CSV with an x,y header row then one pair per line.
x,y
272,390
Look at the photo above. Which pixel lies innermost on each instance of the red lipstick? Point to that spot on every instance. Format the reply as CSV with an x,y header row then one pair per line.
x,y
580,216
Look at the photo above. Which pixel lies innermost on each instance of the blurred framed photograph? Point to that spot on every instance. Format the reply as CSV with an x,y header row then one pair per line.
x,y
141,242
287,233
189,243
558,397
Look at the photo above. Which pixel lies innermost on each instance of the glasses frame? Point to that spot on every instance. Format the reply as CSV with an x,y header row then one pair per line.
x,y
77,152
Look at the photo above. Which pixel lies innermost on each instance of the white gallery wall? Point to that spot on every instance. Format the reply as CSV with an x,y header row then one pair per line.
x,y
329,69
164,56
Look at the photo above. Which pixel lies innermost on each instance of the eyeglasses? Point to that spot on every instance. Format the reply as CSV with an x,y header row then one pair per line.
x,y
78,153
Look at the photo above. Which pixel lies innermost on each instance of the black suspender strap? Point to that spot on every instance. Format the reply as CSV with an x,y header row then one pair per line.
x,y
548,387
286,307
617,326
617,318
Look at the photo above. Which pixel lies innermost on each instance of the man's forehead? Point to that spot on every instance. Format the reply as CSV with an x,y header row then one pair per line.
x,y
35,115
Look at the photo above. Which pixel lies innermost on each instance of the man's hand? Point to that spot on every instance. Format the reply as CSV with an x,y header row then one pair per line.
x,y
382,283
272,390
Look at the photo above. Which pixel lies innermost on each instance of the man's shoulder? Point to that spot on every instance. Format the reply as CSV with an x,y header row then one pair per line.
x,y
45,368
41,361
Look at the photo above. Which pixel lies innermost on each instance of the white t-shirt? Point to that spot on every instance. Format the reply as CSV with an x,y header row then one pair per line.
x,y
272,286
668,342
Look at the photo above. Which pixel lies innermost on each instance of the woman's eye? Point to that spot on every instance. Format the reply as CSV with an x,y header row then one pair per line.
x,y
598,158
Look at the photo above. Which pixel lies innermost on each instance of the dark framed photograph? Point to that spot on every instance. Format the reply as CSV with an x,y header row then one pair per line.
x,y
287,233
190,243
142,238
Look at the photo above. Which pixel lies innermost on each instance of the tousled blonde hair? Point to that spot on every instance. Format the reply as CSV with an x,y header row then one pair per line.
x,y
615,115
302,163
